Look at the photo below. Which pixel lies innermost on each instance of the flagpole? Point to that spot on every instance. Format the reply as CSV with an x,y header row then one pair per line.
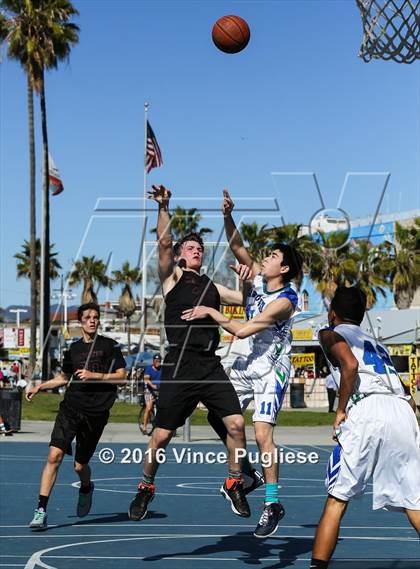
x,y
143,245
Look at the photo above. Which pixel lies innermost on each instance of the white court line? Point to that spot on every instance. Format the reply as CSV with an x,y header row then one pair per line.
x,y
35,559
279,537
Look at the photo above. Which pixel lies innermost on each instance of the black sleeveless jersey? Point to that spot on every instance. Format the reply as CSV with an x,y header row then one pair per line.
x,y
196,335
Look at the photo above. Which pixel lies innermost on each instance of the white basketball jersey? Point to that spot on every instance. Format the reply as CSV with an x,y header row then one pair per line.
x,y
376,373
275,341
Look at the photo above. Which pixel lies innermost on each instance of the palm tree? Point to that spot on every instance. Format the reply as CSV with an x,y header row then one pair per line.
x,y
256,239
24,269
9,30
401,263
89,270
371,278
39,36
185,221
128,277
333,266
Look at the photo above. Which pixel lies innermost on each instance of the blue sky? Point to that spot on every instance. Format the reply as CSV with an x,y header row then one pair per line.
x,y
298,99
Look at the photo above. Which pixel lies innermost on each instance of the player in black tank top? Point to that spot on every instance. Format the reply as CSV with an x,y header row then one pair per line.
x,y
191,290
191,371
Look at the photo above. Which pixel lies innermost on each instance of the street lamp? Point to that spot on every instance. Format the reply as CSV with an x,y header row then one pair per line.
x,y
64,296
18,311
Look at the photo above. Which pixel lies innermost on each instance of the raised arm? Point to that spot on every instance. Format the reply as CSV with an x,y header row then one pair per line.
x,y
166,265
233,236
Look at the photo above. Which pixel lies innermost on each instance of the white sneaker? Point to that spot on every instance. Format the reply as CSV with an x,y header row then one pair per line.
x,y
39,520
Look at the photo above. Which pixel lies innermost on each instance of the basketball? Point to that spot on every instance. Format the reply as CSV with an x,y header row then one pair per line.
x,y
231,34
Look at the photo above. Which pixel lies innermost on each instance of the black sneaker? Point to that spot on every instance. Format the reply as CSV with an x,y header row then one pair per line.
x,y
253,482
138,507
269,521
236,496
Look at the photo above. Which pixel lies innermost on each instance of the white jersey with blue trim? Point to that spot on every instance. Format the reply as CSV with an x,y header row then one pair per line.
x,y
273,343
376,372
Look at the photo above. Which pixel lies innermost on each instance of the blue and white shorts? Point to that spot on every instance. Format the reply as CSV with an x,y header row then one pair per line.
x,y
267,388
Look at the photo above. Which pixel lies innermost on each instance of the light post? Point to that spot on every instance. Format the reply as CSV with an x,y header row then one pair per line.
x,y
18,311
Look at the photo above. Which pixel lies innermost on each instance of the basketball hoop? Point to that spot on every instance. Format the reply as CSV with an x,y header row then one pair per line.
x,y
390,30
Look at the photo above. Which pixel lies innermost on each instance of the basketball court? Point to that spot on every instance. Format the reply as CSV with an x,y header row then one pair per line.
x,y
189,523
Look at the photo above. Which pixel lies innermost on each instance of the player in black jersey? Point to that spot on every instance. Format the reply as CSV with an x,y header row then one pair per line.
x,y
191,370
92,369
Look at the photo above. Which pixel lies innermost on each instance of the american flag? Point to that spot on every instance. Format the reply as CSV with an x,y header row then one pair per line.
x,y
56,185
153,153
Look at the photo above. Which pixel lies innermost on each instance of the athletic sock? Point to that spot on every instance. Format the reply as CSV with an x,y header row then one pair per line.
x,y
42,502
2,427
85,489
318,564
147,479
271,493
233,476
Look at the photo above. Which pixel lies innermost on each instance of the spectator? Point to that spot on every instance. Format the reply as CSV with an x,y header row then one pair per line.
x,y
152,376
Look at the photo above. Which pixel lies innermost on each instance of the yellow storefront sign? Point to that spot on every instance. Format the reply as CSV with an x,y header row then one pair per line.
x,y
236,312
412,366
302,333
302,359
403,350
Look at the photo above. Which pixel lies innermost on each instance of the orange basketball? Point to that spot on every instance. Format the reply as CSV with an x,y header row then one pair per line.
x,y
231,34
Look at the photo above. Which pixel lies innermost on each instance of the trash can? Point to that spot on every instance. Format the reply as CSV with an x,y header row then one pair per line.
x,y
297,395
11,407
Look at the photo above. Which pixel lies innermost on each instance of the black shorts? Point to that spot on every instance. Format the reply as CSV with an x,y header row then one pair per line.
x,y
71,423
197,378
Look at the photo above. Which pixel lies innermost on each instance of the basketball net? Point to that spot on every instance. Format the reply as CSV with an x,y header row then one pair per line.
x,y
390,30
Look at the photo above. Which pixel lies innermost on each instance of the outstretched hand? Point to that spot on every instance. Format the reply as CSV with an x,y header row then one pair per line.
x,y
243,271
196,313
160,194
228,203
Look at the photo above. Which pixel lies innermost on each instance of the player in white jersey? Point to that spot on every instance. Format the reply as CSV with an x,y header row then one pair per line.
x,y
263,375
375,426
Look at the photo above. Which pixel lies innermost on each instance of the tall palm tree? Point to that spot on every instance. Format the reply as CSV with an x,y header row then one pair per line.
x,y
89,271
256,239
9,29
370,278
333,266
24,268
128,277
185,221
401,263
40,35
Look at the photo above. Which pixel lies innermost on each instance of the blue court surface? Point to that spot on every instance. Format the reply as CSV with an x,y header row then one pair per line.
x,y
189,524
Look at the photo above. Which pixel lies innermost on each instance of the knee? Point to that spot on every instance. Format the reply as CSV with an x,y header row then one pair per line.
x,y
55,457
236,426
264,441
160,438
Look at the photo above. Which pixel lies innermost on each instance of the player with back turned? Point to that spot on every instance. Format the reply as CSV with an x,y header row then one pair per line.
x,y
375,426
